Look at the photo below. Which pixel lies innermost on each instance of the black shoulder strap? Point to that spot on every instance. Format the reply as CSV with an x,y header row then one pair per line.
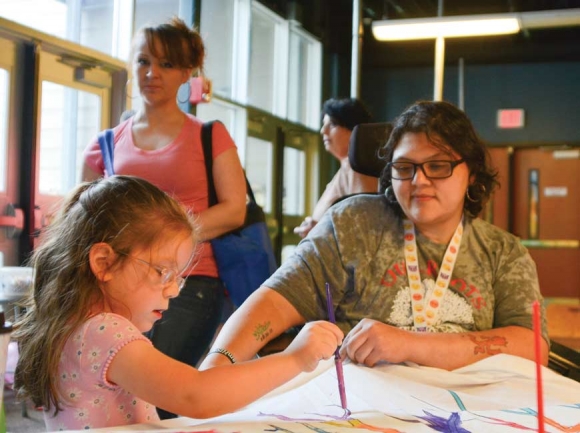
x,y
206,141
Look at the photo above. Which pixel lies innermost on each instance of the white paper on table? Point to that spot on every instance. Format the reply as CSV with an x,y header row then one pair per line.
x,y
497,394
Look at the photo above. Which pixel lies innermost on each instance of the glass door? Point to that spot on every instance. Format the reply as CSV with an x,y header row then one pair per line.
x,y
71,113
300,186
11,219
281,164
260,159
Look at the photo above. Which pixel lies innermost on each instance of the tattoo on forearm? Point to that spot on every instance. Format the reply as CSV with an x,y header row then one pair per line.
x,y
488,345
262,331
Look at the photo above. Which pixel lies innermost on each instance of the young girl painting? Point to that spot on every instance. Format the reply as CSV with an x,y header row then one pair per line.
x,y
104,273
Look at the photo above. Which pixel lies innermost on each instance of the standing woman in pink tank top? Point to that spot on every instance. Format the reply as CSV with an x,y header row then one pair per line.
x,y
162,144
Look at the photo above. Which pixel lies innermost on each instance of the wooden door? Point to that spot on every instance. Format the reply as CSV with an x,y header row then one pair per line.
x,y
497,209
546,215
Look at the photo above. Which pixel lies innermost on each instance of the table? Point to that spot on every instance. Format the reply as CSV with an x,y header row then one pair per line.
x,y
497,394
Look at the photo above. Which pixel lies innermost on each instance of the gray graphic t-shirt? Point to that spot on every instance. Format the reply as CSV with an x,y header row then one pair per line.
x,y
357,247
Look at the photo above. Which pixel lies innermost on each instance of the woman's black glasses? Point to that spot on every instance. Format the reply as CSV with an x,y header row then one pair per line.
x,y
431,169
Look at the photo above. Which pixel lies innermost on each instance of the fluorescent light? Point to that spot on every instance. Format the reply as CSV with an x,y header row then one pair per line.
x,y
447,27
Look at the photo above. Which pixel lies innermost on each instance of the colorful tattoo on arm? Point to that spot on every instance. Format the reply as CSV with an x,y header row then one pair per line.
x,y
262,331
488,345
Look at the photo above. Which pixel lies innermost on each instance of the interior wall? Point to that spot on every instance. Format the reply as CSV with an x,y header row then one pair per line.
x,y
548,92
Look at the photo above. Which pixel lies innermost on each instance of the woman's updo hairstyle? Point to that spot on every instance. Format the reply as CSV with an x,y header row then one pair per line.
x,y
183,47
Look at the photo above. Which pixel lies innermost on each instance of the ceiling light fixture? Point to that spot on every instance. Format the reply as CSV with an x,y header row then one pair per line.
x,y
446,27
442,27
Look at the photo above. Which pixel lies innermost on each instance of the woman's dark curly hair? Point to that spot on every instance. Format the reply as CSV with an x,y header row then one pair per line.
x,y
448,128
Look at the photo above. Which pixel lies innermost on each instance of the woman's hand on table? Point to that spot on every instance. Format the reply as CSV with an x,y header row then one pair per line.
x,y
371,341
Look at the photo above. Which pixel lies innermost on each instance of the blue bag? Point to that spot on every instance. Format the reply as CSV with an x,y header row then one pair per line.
x,y
244,257
106,143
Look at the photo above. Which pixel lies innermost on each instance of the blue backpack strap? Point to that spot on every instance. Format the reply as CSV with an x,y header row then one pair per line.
x,y
106,143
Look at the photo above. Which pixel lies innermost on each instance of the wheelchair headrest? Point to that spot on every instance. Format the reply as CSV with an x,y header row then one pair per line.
x,y
365,141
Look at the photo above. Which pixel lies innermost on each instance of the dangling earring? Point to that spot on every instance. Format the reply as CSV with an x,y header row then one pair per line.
x,y
480,192
390,195
188,93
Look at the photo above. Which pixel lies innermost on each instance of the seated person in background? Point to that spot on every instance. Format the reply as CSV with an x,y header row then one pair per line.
x,y
104,273
340,116
415,276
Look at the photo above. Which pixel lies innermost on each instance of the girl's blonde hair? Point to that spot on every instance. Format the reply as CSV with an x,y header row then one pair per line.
x,y
124,211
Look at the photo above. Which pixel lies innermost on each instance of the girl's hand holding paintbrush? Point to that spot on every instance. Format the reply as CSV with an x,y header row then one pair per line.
x,y
315,341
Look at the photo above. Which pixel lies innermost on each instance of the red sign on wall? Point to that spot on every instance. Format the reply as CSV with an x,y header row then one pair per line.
x,y
510,118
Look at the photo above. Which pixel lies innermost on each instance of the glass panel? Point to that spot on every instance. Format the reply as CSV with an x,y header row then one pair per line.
x,y
4,97
261,76
88,124
297,78
217,111
216,28
69,119
233,117
259,170
104,25
155,11
90,23
48,16
294,181
96,25
304,78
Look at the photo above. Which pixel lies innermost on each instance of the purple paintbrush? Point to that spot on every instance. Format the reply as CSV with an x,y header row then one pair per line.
x,y
337,361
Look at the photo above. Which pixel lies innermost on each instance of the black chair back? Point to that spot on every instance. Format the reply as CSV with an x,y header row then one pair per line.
x,y
365,142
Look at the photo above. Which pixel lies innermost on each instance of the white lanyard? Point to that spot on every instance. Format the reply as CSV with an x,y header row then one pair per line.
x,y
425,309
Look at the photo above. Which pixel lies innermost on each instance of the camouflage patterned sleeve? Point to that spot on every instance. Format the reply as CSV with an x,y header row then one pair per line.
x,y
516,287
